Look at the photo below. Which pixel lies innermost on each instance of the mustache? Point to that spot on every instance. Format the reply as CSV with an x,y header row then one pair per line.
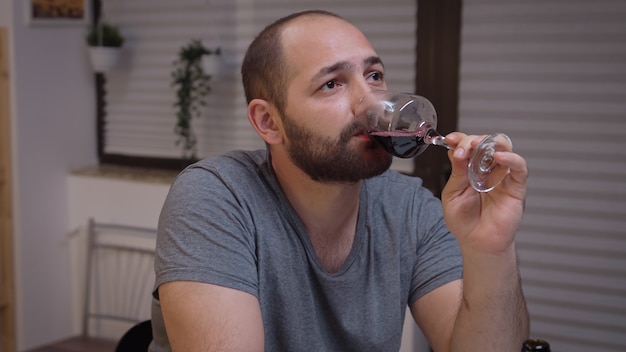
x,y
350,131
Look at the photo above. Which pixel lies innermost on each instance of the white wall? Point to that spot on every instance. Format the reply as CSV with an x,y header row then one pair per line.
x,y
53,132
5,12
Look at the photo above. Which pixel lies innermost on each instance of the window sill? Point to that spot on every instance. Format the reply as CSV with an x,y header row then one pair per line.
x,y
145,175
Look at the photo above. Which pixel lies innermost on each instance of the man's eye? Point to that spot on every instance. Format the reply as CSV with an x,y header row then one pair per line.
x,y
376,76
330,85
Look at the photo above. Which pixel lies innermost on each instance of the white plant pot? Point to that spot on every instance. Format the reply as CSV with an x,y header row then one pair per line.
x,y
104,59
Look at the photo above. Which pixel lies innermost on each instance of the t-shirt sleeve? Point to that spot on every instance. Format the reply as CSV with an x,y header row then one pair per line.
x,y
438,257
205,235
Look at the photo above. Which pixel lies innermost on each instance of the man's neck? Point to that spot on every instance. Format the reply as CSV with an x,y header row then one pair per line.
x,y
329,211
318,204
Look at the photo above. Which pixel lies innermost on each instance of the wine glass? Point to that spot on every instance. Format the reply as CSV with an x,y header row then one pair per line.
x,y
405,125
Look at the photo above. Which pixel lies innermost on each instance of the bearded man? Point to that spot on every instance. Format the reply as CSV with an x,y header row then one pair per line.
x,y
314,244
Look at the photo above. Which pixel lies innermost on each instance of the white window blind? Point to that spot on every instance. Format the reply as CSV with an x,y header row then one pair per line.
x,y
552,75
140,117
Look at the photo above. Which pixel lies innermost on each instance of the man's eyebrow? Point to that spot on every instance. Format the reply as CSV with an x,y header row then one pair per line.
x,y
373,60
339,66
344,66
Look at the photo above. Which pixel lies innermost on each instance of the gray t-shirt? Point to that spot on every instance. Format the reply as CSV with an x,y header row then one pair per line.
x,y
227,222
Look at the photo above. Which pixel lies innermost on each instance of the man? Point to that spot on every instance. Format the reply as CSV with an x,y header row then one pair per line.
x,y
315,245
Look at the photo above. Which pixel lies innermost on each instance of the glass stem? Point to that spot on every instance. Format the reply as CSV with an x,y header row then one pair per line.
x,y
433,137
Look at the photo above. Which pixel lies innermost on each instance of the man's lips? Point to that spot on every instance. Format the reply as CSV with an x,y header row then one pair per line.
x,y
361,134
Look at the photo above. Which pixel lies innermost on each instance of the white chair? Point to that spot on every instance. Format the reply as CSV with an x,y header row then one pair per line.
x,y
118,290
119,278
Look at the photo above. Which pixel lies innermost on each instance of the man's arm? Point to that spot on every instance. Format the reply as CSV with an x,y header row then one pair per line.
x,y
487,308
493,310
208,318
480,310
436,312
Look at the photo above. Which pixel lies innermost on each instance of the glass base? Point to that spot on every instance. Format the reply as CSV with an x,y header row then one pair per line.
x,y
484,173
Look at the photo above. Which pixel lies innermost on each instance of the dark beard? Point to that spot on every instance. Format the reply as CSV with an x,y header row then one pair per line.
x,y
328,161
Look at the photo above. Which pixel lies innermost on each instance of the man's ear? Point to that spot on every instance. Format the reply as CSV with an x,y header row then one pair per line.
x,y
265,120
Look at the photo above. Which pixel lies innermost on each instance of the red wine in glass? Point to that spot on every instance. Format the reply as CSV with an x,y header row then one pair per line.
x,y
405,124
403,144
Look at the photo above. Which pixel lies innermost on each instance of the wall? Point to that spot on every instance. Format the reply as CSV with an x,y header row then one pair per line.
x,y
53,132
5,12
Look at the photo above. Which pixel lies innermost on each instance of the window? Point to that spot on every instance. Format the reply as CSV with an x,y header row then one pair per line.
x,y
138,118
552,75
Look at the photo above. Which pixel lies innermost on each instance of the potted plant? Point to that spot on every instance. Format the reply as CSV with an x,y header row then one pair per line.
x,y
105,41
192,86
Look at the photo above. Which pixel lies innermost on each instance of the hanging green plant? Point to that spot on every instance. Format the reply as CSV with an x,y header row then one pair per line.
x,y
192,87
104,35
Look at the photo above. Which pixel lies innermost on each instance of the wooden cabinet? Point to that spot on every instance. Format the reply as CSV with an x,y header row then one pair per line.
x,y
7,301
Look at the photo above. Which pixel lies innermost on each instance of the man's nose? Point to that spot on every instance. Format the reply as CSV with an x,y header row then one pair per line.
x,y
361,94
364,104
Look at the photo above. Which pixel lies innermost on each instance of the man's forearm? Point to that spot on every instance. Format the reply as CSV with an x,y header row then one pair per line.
x,y
493,313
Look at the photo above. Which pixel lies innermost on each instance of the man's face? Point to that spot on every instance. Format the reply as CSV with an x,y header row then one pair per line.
x,y
331,66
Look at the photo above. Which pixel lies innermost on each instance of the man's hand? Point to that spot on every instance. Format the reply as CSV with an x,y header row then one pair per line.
x,y
483,221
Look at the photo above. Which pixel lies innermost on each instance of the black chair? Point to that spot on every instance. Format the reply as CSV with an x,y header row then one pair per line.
x,y
136,339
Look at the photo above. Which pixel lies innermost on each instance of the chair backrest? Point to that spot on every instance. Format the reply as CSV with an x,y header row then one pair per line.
x,y
137,339
119,278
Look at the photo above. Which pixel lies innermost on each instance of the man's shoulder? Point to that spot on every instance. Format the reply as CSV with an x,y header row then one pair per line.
x,y
237,175
235,170
233,159
234,163
393,178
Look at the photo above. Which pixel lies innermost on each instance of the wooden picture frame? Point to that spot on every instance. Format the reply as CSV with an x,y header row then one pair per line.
x,y
57,12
